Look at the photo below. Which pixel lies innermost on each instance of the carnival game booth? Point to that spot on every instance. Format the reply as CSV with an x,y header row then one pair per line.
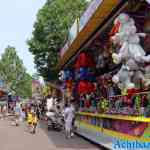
x,y
109,73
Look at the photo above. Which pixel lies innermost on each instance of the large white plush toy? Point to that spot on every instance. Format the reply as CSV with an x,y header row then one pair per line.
x,y
123,78
129,40
148,1
130,53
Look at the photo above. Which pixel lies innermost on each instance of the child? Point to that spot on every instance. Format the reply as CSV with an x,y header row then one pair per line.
x,y
34,122
22,115
29,120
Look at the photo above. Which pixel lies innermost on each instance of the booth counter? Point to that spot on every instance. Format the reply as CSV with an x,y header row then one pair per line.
x,y
106,129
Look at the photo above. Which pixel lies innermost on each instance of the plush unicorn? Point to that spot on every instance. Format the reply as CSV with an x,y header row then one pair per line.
x,y
148,1
131,53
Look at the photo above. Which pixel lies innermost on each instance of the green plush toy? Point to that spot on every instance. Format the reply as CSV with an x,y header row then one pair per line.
x,y
137,103
103,105
147,112
118,105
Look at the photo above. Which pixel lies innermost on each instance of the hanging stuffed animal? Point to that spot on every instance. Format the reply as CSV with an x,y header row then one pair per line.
x,y
100,61
61,75
148,1
84,60
87,101
137,103
118,105
123,78
83,73
131,54
68,75
103,105
69,84
129,39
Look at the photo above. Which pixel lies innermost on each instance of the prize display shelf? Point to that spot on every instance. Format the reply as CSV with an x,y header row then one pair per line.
x,y
98,133
118,117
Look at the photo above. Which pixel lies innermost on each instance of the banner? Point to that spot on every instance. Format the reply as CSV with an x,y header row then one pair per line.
x,y
88,13
80,24
64,49
74,31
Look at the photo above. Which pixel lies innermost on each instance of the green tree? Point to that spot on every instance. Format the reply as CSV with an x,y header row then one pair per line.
x,y
50,32
35,76
14,73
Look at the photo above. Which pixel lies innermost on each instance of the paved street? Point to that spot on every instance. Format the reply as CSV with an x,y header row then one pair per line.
x,y
17,138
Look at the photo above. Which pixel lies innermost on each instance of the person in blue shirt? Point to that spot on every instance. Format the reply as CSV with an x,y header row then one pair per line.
x,y
17,111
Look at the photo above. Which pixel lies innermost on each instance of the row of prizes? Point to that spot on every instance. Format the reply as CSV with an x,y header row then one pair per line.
x,y
66,77
131,54
83,66
103,105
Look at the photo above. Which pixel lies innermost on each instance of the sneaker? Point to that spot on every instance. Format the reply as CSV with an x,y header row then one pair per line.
x,y
33,132
72,134
69,137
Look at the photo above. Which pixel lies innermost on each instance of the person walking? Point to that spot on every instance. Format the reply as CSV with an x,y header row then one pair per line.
x,y
72,107
1,112
38,113
17,111
68,117
4,111
22,114
29,120
34,122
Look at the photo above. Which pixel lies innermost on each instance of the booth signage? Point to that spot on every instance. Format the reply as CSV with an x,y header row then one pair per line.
x,y
73,31
64,49
88,13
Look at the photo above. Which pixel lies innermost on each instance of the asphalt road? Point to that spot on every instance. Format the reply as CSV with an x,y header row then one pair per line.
x,y
17,138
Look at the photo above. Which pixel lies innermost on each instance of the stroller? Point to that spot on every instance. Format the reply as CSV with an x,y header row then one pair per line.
x,y
54,121
15,120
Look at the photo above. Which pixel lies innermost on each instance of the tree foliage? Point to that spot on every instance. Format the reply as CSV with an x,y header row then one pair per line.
x,y
14,73
50,32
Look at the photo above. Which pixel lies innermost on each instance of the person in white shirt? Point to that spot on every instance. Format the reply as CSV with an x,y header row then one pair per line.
x,y
49,103
4,111
68,116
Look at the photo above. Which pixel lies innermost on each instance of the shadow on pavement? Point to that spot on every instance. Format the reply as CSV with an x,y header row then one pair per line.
x,y
59,140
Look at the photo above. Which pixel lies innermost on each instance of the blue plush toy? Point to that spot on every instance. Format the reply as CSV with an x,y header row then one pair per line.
x,y
68,75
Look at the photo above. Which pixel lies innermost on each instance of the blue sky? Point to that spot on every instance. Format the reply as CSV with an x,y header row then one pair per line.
x,y
16,24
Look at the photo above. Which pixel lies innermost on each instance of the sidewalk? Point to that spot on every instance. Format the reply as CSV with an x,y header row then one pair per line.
x,y
17,138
